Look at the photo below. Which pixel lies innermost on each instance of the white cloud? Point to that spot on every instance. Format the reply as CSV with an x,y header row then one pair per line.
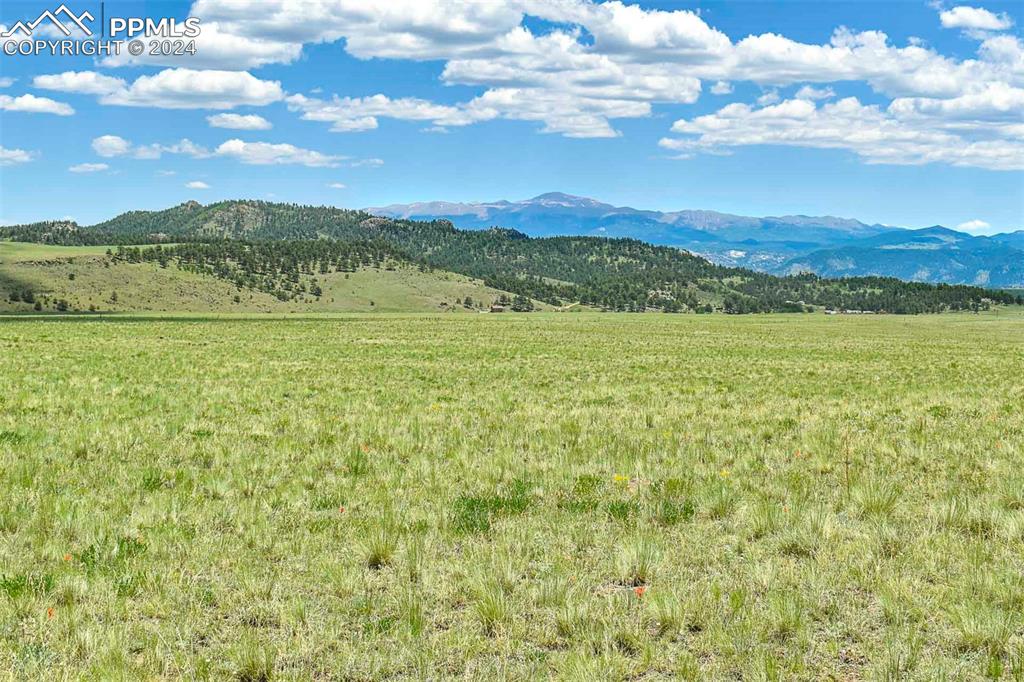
x,y
808,92
239,122
721,88
9,157
974,226
88,167
169,89
975,18
192,89
111,145
770,97
6,82
336,185
994,102
426,28
80,82
197,184
876,135
166,173
257,153
367,163
219,49
35,105
264,153
601,62
353,114
182,146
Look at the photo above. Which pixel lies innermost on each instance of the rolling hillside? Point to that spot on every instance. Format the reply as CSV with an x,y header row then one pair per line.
x,y
279,249
84,278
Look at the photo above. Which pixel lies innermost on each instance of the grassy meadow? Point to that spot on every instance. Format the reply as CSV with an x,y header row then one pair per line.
x,y
514,497
88,280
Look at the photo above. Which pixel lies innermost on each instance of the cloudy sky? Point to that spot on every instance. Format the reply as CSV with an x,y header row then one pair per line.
x,y
906,113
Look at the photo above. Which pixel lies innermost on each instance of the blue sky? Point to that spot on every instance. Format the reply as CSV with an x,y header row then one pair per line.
x,y
903,113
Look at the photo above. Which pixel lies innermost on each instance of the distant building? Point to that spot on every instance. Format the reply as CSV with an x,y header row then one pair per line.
x,y
497,308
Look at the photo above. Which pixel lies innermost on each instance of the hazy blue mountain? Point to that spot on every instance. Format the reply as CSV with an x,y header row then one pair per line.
x,y
1014,239
933,254
771,243
761,243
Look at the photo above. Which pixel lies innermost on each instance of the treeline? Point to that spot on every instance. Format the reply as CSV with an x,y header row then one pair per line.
x,y
286,270
269,247
65,233
869,294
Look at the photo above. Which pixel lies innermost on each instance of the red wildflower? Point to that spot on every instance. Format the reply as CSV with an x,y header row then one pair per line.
x,y
50,612
639,591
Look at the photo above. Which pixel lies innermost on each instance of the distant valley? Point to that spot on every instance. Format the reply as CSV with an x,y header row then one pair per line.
x,y
826,245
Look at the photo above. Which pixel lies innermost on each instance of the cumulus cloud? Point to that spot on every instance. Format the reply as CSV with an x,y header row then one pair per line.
x,y
265,153
9,157
256,153
6,81
197,184
975,18
35,105
353,114
239,122
994,103
875,134
193,89
113,145
809,92
88,168
183,146
974,226
169,89
79,82
594,63
336,185
217,48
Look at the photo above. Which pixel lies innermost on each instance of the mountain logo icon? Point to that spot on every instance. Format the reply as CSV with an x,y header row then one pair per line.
x,y
77,20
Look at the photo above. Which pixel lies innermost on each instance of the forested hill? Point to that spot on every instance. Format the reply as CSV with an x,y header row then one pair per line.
x,y
613,274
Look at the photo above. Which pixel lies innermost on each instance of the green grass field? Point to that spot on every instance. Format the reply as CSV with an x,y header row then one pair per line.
x,y
512,497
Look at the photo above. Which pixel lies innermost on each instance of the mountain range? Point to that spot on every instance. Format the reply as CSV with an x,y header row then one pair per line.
x,y
826,245
299,254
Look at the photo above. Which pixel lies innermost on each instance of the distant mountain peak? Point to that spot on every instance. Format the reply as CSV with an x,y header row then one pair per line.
x,y
563,199
559,196
765,243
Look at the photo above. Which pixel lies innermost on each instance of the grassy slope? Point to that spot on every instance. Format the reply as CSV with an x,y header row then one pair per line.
x,y
802,497
147,287
13,252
